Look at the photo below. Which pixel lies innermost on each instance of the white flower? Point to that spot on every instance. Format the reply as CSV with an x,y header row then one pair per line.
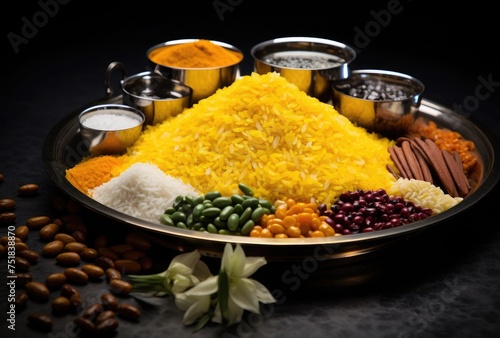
x,y
243,293
185,270
197,300
234,290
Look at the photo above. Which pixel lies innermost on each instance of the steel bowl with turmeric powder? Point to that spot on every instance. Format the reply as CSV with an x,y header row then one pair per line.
x,y
203,65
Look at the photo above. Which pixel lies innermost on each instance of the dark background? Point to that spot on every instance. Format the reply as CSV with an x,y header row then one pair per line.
x,y
441,45
59,69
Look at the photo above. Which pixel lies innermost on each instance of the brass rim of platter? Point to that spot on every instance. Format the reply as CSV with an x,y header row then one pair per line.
x,y
62,149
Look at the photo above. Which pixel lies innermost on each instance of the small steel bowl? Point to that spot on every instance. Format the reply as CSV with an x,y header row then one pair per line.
x,y
158,97
117,127
381,101
203,81
312,64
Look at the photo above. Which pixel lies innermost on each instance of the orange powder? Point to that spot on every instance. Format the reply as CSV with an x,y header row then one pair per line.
x,y
92,172
197,54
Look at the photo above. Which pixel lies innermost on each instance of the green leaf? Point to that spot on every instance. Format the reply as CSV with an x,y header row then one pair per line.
x,y
223,294
202,322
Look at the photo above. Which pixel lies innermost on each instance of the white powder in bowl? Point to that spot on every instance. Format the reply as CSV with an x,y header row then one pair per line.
x,y
110,121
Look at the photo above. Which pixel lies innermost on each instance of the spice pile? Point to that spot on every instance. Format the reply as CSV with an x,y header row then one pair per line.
x,y
196,54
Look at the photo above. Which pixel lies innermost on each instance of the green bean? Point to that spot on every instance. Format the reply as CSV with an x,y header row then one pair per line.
x,y
251,202
197,211
197,226
198,199
257,213
181,225
222,202
189,199
207,205
212,228
170,210
238,209
237,199
212,195
178,216
226,232
167,220
247,227
219,223
178,201
245,215
190,220
246,190
233,222
226,212
186,208
211,212
265,203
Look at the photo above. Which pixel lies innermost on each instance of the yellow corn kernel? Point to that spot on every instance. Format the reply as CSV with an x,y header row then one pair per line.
x,y
274,221
305,218
265,218
312,206
296,209
288,221
255,232
317,234
290,202
276,228
308,210
293,231
326,229
281,211
316,222
305,229
265,233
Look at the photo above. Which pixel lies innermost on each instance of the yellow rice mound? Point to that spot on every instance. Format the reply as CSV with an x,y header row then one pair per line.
x,y
266,133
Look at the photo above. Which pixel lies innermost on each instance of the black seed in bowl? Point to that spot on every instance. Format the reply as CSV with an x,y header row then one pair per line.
x,y
380,91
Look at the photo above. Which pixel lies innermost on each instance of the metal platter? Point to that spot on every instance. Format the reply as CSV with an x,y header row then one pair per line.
x,y
63,148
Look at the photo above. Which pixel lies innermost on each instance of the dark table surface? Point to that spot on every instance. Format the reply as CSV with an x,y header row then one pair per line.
x,y
444,282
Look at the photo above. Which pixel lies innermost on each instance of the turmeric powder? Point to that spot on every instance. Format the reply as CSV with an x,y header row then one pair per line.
x,y
196,54
91,172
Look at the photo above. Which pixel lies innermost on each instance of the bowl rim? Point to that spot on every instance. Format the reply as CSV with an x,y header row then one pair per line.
x,y
312,41
417,85
187,91
189,40
111,106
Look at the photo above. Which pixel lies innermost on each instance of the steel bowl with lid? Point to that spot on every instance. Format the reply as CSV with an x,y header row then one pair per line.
x,y
204,80
310,63
382,101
